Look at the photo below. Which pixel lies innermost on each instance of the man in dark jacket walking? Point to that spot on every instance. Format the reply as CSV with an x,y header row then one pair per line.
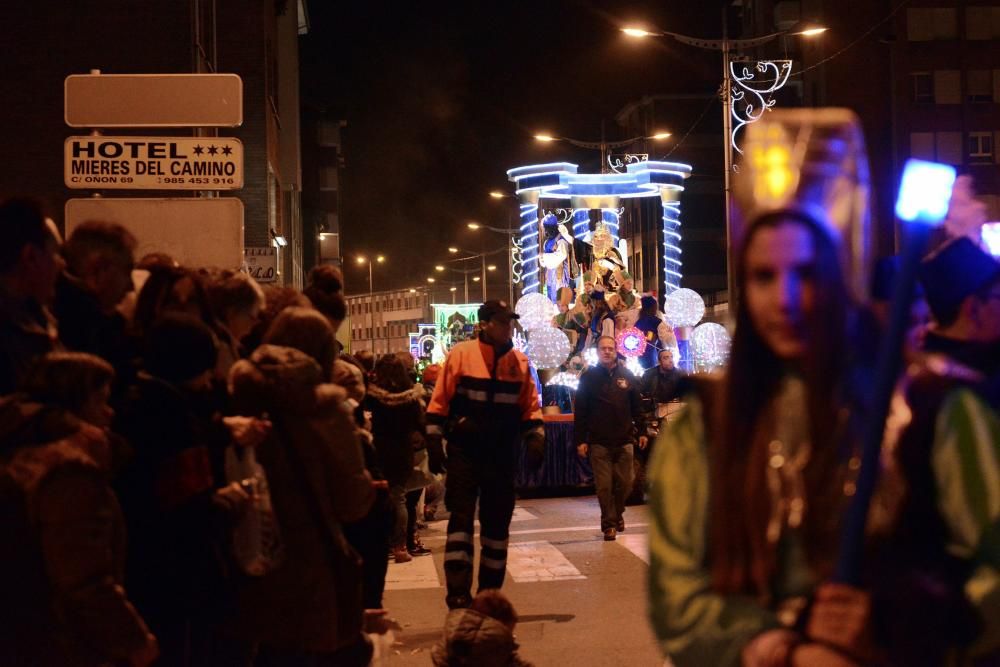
x,y
608,413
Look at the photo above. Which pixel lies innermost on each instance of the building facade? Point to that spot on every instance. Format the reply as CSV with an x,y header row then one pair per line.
x,y
382,322
923,77
255,39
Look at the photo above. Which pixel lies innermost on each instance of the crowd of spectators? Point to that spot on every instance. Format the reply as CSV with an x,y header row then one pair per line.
x,y
190,472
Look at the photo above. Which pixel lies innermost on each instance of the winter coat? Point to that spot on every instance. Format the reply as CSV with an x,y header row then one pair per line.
x,y
176,559
472,639
84,327
62,555
397,429
316,474
27,331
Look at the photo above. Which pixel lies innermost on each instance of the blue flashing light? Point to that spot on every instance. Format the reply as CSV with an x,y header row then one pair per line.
x,y
925,192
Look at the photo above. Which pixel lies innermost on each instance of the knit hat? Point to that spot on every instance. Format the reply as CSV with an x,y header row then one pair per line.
x,y
179,348
954,272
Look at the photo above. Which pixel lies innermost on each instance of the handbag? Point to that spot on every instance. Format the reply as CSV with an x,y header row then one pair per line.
x,y
421,475
255,541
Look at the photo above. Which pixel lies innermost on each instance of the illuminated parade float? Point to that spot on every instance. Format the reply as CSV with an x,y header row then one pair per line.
x,y
574,280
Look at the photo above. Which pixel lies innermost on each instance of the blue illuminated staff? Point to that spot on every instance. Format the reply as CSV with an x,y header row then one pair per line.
x,y
922,205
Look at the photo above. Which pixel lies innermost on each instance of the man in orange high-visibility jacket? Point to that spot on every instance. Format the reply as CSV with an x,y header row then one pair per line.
x,y
484,403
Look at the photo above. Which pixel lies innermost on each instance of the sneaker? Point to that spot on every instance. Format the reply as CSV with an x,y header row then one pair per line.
x,y
401,555
418,550
621,526
609,535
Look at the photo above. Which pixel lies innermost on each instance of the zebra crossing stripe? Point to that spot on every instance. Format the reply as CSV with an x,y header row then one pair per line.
x,y
637,543
529,562
418,573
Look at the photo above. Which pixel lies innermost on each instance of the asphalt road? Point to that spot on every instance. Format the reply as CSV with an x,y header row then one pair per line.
x,y
581,600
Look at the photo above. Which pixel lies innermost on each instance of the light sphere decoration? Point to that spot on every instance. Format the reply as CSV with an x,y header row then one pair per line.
x,y
548,347
536,311
711,344
631,343
683,308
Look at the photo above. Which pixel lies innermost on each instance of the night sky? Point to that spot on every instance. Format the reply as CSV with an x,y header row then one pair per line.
x,y
442,98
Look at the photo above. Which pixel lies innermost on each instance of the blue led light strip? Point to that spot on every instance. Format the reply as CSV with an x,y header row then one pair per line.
x,y
529,248
671,248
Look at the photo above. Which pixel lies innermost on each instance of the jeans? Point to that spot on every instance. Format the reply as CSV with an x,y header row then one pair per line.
x,y
613,478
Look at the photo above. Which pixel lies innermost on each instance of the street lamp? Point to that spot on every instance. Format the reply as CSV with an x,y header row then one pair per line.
x,y
440,268
371,297
602,145
726,46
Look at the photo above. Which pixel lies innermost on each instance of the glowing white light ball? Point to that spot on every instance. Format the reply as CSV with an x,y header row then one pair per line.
x,y
683,308
548,347
711,345
536,310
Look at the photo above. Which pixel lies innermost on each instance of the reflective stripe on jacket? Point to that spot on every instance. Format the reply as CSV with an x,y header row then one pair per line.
x,y
485,391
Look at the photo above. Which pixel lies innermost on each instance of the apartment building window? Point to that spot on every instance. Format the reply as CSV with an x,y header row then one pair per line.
x,y
979,85
923,87
982,23
948,146
980,147
947,86
926,24
939,146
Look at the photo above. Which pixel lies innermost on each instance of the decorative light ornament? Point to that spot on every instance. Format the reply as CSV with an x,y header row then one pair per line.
x,y
590,356
751,96
536,311
683,308
631,343
632,363
548,347
711,344
564,379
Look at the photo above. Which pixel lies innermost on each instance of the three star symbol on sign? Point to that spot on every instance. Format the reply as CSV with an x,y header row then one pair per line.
x,y
213,150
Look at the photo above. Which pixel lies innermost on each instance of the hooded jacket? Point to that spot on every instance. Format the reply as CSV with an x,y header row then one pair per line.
x,y
397,429
312,601
472,639
62,556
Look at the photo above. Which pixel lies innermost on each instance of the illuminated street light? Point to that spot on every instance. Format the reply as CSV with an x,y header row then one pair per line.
x,y
429,279
473,225
361,260
726,46
639,32
603,146
452,250
439,267
491,267
496,194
